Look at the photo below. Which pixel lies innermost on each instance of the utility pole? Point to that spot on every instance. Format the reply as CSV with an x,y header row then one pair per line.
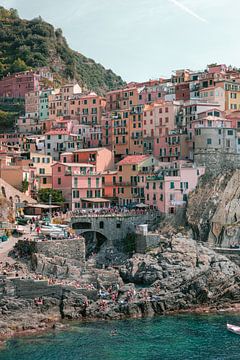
x,y
50,208
50,212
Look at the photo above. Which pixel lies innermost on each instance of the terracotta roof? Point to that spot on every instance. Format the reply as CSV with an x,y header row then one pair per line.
x,y
133,159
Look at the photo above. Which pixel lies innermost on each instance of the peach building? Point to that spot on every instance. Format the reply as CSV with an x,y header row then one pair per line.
x,y
132,171
120,125
15,175
122,99
43,170
59,100
214,95
136,131
88,108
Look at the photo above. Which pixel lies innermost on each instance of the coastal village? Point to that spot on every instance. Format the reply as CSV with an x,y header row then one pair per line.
x,y
146,144
119,180
96,192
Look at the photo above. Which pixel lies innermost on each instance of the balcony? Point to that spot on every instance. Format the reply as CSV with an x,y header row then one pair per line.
x,y
127,183
155,177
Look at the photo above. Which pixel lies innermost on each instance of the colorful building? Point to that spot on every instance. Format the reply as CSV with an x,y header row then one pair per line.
x,y
19,84
168,188
132,171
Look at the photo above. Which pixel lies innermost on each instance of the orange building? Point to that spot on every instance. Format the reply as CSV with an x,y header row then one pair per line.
x,y
109,184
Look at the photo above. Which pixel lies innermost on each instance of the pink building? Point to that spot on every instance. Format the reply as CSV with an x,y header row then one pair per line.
x,y
80,185
17,85
79,176
170,186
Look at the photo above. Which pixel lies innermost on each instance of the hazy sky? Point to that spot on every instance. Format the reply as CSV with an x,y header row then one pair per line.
x,y
142,39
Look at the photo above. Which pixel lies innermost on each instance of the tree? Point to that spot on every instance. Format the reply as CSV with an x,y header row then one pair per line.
x,y
25,185
44,195
18,66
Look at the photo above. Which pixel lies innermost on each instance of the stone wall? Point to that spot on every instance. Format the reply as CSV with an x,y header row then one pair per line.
x,y
69,249
114,228
31,289
217,161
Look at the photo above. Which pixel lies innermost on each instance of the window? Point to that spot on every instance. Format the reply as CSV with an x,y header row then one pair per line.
x,y
209,141
59,181
94,101
120,168
75,182
161,197
230,132
97,182
172,185
59,168
42,171
59,137
134,167
118,225
44,181
101,225
228,143
154,186
89,182
75,194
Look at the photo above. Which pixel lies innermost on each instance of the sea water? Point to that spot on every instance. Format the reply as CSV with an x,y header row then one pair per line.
x,y
201,337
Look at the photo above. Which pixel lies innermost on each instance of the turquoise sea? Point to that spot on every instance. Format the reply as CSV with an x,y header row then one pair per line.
x,y
163,338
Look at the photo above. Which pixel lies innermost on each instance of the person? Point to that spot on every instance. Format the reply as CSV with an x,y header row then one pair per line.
x,y
113,332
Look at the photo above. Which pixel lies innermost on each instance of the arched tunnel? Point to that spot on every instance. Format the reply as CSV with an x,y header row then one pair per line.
x,y
93,242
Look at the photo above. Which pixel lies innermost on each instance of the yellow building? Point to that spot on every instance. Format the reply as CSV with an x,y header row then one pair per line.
x,y
43,170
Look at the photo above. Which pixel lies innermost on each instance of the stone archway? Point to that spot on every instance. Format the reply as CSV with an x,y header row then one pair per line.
x,y
93,242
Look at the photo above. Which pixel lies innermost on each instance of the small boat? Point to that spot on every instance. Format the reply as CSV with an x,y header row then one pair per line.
x,y
233,328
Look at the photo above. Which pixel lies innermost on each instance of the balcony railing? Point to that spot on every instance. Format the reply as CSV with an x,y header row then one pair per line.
x,y
127,183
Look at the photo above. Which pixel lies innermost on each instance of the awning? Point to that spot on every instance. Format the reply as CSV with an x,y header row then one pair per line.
x,y
141,206
95,200
43,206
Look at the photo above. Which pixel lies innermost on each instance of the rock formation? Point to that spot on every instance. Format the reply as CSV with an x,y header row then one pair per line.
x,y
213,208
179,275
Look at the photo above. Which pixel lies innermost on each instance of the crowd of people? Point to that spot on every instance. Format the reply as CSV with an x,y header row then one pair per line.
x,y
108,212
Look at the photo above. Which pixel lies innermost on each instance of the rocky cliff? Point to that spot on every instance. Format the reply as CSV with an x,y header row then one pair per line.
x,y
179,275
214,206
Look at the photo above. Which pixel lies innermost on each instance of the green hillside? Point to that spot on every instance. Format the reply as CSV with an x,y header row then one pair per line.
x,y
35,43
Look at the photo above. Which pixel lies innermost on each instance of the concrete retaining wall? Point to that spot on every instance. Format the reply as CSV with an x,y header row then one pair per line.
x,y
31,289
144,242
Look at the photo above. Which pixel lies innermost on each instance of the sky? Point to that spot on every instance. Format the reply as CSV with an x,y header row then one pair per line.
x,y
144,39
